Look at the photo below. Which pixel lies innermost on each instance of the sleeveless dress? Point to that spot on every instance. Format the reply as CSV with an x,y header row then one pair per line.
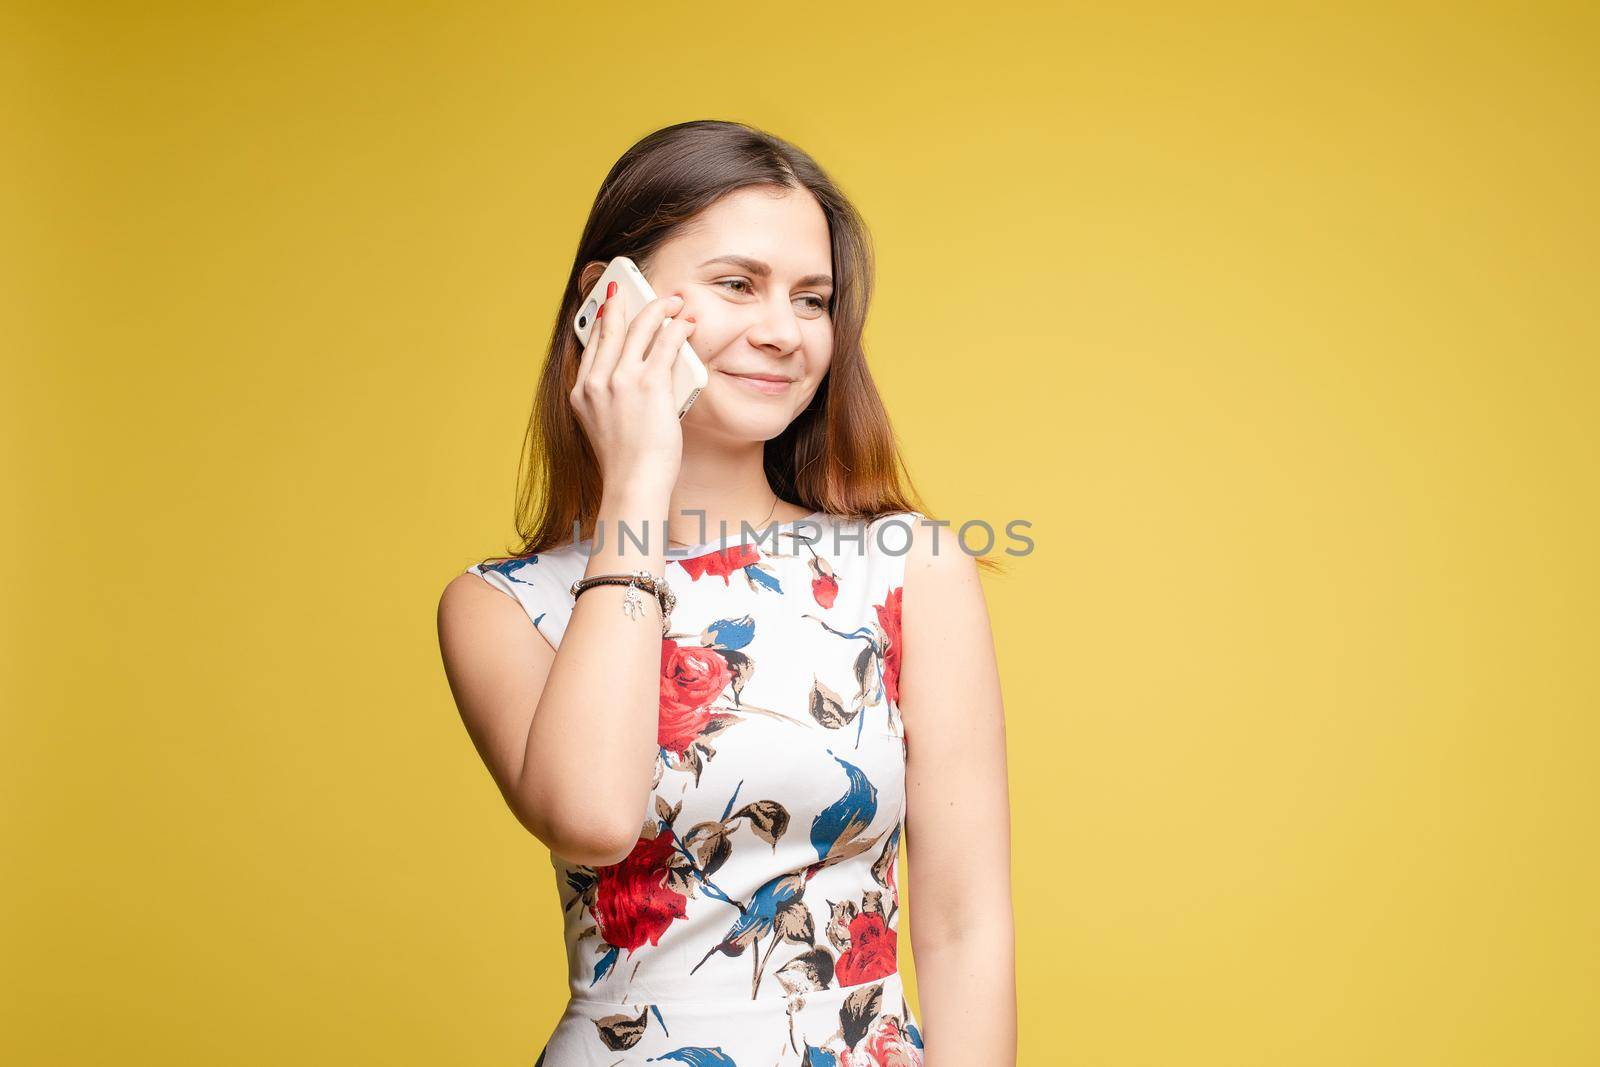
x,y
755,922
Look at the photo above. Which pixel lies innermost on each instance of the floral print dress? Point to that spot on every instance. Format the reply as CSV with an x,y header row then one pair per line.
x,y
755,922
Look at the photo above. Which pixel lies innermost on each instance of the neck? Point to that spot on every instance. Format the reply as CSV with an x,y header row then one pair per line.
x,y
720,483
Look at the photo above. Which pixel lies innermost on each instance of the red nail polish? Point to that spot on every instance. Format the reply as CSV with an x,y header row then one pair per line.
x,y
611,290
597,314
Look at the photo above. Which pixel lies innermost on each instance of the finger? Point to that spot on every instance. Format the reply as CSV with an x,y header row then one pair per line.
x,y
642,331
613,323
668,341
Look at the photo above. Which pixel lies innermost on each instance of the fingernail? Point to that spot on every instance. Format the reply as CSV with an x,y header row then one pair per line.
x,y
611,290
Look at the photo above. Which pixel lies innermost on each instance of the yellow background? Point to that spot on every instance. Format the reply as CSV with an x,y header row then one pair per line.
x,y
1277,323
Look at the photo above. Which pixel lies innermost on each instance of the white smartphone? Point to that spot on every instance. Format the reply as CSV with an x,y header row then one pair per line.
x,y
688,373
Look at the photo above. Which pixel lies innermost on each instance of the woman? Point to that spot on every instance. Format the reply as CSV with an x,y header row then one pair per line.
x,y
722,756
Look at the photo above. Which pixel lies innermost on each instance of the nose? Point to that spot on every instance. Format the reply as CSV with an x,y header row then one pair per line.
x,y
776,328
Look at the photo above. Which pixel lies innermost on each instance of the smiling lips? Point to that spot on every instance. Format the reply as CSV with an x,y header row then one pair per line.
x,y
770,384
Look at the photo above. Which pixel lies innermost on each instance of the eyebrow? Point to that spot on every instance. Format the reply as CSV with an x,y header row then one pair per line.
x,y
761,270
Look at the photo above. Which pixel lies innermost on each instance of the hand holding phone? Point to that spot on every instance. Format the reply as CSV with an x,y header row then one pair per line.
x,y
624,393
688,373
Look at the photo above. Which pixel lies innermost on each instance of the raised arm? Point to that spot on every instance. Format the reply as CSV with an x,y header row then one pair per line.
x,y
569,734
958,816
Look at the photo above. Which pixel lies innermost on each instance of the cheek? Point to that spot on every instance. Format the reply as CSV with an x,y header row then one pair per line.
x,y
705,307
820,356
711,328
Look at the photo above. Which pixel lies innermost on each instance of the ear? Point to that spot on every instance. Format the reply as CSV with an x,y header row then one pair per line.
x,y
589,275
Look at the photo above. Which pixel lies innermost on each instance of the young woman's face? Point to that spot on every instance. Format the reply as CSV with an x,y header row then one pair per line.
x,y
755,272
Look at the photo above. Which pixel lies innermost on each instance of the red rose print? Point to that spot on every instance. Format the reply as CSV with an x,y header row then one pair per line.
x,y
885,1045
889,619
871,954
721,563
691,678
632,905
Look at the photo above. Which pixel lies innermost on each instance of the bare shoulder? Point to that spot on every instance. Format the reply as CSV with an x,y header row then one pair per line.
x,y
941,577
466,598
948,683
479,622
496,664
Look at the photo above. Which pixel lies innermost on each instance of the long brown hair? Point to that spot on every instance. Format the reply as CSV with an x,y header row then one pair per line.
x,y
838,456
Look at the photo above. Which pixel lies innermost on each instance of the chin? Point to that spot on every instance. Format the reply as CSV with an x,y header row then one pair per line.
x,y
741,418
